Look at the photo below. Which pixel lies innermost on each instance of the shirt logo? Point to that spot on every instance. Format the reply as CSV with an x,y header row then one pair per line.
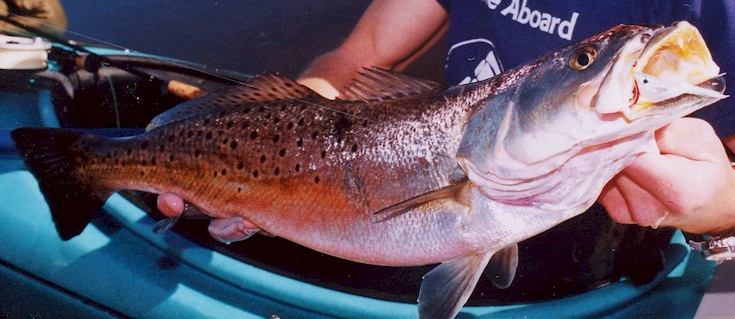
x,y
520,12
479,53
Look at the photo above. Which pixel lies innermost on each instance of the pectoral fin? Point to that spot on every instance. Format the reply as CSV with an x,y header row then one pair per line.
x,y
446,288
450,192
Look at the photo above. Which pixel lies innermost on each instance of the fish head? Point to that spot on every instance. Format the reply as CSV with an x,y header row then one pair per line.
x,y
596,94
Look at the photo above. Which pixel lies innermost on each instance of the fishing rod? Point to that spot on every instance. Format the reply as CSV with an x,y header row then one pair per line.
x,y
92,62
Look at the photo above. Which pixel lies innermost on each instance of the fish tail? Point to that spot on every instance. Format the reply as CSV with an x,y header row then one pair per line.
x,y
51,155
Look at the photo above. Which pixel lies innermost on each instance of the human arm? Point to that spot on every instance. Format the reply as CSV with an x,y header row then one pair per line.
x,y
391,34
691,183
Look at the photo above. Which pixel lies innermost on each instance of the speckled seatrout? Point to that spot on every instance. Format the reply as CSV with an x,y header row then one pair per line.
x,y
421,175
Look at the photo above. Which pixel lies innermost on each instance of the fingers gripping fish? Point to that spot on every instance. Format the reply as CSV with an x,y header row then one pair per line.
x,y
410,175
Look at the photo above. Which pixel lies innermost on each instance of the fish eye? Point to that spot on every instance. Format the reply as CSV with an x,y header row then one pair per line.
x,y
582,58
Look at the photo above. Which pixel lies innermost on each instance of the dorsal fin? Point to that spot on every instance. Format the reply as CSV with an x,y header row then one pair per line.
x,y
379,84
262,88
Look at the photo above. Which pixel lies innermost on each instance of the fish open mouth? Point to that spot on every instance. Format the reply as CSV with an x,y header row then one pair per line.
x,y
673,63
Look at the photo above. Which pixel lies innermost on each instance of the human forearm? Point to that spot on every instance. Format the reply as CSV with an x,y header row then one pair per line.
x,y
391,34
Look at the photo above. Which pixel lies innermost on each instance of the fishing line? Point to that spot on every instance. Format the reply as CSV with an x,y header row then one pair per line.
x,y
135,71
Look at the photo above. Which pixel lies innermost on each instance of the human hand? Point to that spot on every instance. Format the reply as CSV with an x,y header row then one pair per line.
x,y
690,185
47,15
329,73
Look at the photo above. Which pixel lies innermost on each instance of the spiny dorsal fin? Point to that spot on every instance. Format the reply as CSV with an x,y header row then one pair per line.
x,y
379,84
263,88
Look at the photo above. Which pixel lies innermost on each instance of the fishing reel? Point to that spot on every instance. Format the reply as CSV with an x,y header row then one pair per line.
x,y
715,249
21,53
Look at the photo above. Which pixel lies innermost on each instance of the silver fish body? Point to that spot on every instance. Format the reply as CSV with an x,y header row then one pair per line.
x,y
418,176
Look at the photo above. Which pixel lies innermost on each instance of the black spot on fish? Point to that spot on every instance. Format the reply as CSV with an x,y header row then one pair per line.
x,y
253,135
129,152
240,165
276,138
341,127
208,136
314,135
239,189
300,142
301,122
153,161
225,140
276,120
170,158
298,167
316,180
143,163
354,148
364,123
181,132
289,125
207,121
197,153
255,173
282,152
161,147
233,145
190,134
215,173
244,125
230,124
171,138
276,171
144,145
324,154
224,172
200,133
262,159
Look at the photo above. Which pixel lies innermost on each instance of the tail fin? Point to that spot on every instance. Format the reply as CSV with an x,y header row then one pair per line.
x,y
51,156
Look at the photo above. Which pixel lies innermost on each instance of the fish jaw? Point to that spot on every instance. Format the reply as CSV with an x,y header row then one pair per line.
x,y
673,73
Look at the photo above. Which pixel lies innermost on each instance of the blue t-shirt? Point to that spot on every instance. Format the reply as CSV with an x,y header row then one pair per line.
x,y
487,37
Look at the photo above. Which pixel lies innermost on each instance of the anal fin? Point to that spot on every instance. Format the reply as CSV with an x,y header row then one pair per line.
x,y
501,269
229,230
